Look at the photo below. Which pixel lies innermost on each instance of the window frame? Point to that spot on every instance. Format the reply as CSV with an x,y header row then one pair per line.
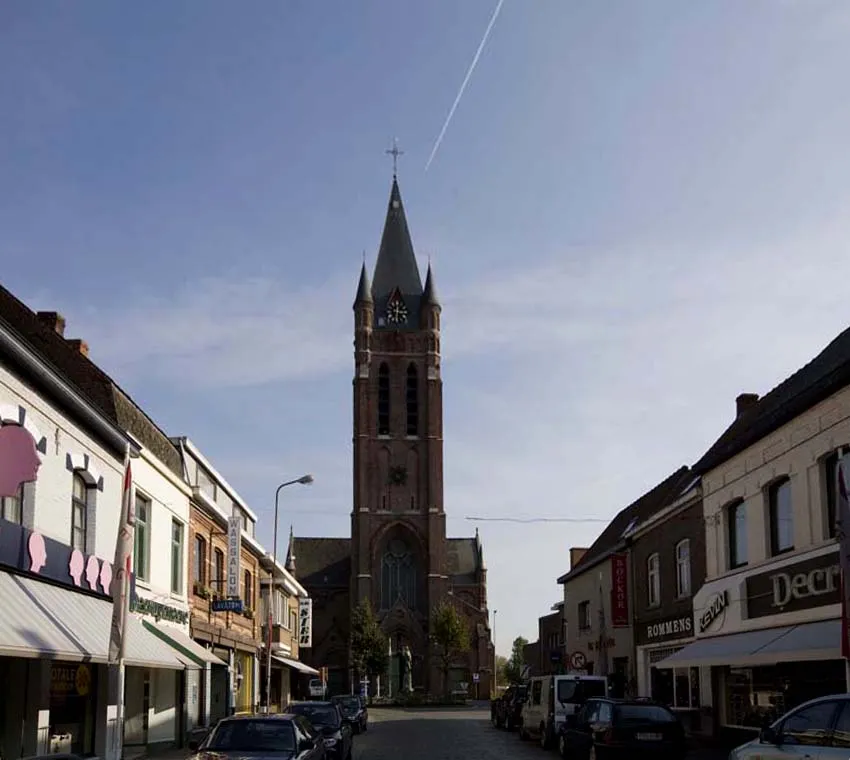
x,y
584,623
773,517
179,546
81,504
199,561
731,511
219,569
384,421
830,498
683,568
248,588
653,580
19,500
411,400
143,573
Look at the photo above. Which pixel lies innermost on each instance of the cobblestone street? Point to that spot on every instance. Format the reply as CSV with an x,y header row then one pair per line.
x,y
451,734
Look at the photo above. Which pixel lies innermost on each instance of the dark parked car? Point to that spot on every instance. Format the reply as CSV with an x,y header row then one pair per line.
x,y
277,737
506,709
625,729
354,711
326,718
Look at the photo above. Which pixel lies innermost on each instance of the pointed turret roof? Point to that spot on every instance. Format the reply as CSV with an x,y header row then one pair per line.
x,y
290,552
364,290
429,295
396,266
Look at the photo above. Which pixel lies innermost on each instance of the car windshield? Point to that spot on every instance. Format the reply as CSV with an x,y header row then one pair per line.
x,y
318,715
261,735
644,714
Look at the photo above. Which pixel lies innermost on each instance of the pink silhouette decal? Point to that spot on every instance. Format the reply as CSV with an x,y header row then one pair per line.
x,y
92,571
106,577
19,460
75,566
38,552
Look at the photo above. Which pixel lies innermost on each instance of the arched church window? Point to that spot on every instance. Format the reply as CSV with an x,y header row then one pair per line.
x,y
398,576
384,400
412,401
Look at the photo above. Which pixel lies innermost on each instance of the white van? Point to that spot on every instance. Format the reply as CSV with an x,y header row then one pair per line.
x,y
317,688
551,699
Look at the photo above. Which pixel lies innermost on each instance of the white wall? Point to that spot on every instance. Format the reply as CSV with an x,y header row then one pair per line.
x,y
169,498
50,495
797,449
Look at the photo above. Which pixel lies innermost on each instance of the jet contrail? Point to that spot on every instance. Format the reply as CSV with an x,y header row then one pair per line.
x,y
464,83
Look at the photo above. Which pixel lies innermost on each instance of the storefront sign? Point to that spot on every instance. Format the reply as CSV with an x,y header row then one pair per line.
x,y
671,628
619,591
29,552
717,604
227,605
158,611
305,623
812,583
234,552
70,680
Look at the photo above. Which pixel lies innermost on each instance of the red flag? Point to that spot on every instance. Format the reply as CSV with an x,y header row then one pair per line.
x,y
123,567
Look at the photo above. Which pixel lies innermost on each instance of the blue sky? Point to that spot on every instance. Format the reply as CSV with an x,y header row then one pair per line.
x,y
638,212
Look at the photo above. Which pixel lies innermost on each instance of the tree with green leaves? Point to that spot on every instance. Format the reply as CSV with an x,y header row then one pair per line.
x,y
369,644
513,669
450,634
502,678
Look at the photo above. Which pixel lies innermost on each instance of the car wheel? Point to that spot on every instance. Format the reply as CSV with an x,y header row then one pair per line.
x,y
544,737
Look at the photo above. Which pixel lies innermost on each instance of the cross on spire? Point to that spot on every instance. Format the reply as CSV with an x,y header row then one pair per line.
x,y
395,153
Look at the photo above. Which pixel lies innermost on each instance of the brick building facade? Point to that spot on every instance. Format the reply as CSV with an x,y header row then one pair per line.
x,y
398,556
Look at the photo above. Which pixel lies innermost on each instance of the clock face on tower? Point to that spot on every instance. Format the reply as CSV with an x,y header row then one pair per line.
x,y
396,311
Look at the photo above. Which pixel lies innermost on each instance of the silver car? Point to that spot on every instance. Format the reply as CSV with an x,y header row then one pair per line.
x,y
816,730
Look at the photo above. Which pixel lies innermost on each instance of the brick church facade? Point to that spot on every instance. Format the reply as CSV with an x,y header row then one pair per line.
x,y
398,555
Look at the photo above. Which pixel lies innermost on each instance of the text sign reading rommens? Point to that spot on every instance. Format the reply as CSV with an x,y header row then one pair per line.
x,y
234,552
305,622
679,627
804,585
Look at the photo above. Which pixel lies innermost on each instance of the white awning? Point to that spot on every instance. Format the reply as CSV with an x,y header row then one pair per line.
x,y
299,666
185,647
41,620
808,641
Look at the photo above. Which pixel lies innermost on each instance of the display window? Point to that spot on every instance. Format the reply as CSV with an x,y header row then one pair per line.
x,y
72,707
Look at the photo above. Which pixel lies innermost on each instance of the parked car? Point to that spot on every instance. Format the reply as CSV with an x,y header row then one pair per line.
x,y
623,728
281,736
353,711
505,710
819,728
327,719
552,699
317,688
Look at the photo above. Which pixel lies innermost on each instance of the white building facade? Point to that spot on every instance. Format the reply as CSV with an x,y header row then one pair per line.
x,y
767,620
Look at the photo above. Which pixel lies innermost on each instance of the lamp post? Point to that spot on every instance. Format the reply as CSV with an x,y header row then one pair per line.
x,y
495,657
304,480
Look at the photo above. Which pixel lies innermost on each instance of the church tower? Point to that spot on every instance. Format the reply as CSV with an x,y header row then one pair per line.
x,y
398,525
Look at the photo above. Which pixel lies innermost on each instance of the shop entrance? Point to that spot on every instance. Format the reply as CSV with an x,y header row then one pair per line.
x,y
72,700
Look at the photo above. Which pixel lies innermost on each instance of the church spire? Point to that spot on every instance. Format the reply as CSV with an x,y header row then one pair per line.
x,y
396,266
364,289
290,552
429,295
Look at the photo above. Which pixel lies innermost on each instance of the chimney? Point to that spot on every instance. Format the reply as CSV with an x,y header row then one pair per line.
x,y
53,320
78,344
745,401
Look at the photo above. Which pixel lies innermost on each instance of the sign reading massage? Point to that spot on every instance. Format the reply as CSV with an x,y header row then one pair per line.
x,y
234,552
305,622
814,582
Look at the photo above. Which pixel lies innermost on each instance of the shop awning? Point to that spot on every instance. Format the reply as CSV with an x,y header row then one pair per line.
x,y
40,620
299,666
820,640
186,649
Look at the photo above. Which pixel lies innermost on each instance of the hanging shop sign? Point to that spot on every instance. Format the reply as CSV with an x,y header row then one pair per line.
x,y
620,591
305,622
234,554
716,606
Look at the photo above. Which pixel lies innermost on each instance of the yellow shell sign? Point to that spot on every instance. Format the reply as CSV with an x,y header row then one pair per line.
x,y
83,680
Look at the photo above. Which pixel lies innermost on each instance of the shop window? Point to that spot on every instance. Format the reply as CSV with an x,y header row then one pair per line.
x,y
176,557
683,568
780,517
141,550
653,580
675,687
584,616
79,513
199,567
73,696
736,527
831,473
12,507
383,400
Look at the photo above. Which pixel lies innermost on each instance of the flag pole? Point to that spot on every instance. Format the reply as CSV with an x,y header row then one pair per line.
x,y
122,567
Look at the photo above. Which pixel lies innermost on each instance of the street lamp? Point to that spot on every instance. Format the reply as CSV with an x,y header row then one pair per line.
x,y
495,657
304,480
